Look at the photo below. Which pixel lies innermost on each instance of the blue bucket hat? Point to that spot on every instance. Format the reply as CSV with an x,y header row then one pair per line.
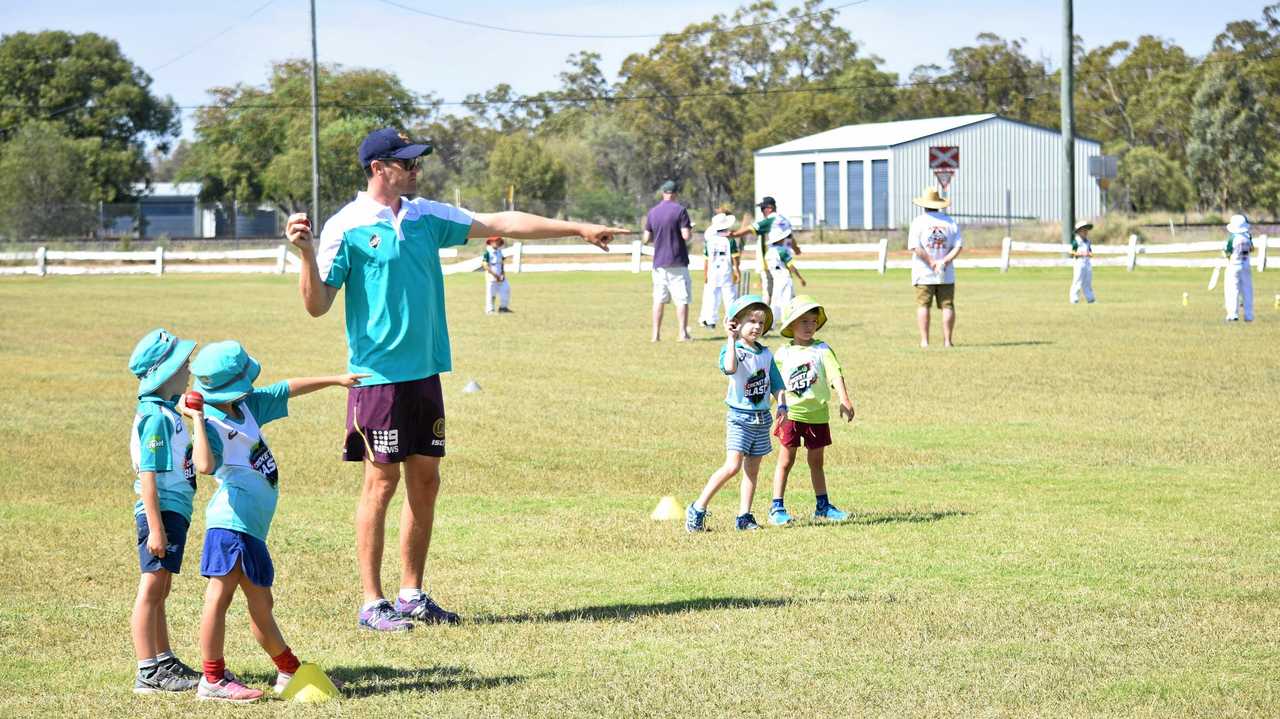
x,y
156,358
224,372
746,302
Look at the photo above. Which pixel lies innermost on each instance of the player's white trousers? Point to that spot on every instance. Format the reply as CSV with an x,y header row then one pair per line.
x,y
501,289
714,294
783,291
1082,282
1239,290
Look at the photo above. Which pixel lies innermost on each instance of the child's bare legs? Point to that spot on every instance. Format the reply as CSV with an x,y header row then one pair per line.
x,y
148,626
751,468
213,618
262,622
732,463
816,471
786,459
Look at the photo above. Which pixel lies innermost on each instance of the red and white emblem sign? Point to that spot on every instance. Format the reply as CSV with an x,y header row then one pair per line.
x,y
944,161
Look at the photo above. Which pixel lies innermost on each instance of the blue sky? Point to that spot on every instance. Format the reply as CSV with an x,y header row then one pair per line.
x,y
452,60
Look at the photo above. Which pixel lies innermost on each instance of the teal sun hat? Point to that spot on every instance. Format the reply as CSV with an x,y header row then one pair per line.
x,y
746,302
224,372
156,358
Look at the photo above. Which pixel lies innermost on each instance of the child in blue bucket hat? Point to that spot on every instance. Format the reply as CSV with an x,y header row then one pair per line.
x,y
165,482
239,514
753,380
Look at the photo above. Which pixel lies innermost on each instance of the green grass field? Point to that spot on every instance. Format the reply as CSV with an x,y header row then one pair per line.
x,y
1073,513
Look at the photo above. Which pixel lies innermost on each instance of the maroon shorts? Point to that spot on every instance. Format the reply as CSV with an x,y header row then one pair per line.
x,y
388,422
790,433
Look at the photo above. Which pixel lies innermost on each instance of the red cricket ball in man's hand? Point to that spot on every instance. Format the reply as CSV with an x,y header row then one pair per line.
x,y
194,400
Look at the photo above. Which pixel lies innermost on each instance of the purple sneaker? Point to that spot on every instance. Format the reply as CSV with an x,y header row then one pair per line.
x,y
382,617
424,609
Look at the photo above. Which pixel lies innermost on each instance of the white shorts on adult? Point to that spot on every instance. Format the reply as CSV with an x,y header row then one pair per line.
x,y
671,284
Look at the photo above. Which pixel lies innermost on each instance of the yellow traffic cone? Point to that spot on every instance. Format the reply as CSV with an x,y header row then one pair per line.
x,y
667,509
309,685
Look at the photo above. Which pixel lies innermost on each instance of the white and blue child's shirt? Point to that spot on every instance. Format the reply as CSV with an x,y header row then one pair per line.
x,y
755,379
778,259
248,480
493,258
160,443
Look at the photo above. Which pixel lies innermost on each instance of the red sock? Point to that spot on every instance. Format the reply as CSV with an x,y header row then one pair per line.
x,y
214,670
286,662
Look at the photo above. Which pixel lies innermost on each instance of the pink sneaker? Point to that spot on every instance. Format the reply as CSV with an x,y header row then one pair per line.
x,y
230,689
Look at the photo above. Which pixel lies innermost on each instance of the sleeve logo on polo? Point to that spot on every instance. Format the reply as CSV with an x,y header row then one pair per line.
x,y
155,442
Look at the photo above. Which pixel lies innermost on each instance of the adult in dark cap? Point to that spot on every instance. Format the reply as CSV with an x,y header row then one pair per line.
x,y
383,247
667,225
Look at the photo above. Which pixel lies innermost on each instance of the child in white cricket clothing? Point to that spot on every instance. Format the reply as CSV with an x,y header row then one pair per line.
x,y
778,258
753,380
720,273
1238,289
228,443
495,277
1082,264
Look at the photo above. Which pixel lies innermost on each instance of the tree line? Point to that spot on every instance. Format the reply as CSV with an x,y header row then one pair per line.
x,y
77,120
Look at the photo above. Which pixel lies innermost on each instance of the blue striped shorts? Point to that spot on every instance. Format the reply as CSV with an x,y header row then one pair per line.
x,y
747,431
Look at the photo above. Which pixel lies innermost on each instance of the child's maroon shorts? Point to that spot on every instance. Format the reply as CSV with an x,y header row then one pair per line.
x,y
790,433
388,422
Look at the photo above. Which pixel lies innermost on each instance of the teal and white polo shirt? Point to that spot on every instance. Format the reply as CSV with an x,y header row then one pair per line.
x,y
160,443
390,266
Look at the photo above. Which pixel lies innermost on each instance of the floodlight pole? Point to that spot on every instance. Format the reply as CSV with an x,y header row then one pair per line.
x,y
1068,125
315,122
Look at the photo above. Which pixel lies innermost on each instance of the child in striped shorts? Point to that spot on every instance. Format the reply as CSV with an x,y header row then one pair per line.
x,y
753,380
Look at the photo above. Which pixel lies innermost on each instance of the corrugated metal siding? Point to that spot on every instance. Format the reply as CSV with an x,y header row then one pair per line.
x,y
808,194
831,194
880,194
996,155
856,218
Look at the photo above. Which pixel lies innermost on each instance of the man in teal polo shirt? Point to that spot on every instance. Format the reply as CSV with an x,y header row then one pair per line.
x,y
383,247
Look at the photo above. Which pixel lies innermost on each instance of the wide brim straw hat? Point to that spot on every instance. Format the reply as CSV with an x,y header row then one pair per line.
x,y
722,221
799,305
748,302
931,199
1084,226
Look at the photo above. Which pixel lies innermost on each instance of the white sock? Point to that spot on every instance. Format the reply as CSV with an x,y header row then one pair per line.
x,y
165,656
409,594
371,605
147,663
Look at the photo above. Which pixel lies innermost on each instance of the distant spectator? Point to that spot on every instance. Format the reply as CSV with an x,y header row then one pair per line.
x,y
667,225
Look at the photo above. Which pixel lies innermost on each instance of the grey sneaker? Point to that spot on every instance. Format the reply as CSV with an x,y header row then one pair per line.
x,y
177,668
160,680
695,520
382,617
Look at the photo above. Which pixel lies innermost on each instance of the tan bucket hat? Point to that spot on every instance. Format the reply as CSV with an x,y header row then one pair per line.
x,y
931,199
796,308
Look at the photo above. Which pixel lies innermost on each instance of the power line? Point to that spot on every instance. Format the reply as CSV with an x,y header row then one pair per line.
x,y
209,40
586,36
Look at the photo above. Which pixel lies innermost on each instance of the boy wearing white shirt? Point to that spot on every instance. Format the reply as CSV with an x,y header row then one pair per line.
x,y
1082,264
1238,289
495,277
720,273
934,242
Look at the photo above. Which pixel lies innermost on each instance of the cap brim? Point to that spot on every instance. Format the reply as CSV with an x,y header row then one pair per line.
x,y
408,152
151,383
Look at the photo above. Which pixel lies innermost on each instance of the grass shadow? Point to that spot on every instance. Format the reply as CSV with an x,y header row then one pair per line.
x,y
373,680
1017,343
625,612
873,518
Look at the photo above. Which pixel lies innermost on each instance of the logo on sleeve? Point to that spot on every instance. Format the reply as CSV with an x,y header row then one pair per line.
x,y
155,442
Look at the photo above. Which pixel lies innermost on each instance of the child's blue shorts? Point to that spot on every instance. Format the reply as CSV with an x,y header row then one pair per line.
x,y
747,431
175,535
224,547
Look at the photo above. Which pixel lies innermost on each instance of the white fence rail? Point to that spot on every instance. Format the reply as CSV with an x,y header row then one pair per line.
x,y
622,258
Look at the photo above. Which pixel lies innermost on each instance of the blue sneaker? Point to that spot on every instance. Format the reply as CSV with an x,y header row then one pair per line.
x,y
425,609
747,522
382,617
831,514
778,517
695,521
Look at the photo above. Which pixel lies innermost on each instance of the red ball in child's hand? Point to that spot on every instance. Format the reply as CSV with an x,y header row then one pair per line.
x,y
194,400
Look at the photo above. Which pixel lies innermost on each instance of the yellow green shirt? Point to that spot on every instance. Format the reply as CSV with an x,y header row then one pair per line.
x,y
808,374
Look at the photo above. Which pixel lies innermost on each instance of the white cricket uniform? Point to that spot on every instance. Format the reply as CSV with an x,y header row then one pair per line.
x,y
502,288
1239,286
720,252
937,234
1082,270
778,260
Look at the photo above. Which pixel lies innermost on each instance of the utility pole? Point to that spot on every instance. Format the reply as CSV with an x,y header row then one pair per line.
x,y
315,123
1068,125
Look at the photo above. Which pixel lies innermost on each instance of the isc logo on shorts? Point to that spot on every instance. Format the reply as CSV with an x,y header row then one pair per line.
x,y
385,441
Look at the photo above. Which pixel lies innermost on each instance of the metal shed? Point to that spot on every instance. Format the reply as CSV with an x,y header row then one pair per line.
x,y
864,176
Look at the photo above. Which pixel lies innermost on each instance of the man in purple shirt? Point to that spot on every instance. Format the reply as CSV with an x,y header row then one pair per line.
x,y
667,225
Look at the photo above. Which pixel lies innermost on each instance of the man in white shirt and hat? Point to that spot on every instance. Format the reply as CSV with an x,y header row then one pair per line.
x,y
720,272
934,242
1082,264
1238,289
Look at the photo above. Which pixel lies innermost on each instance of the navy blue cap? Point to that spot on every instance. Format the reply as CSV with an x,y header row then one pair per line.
x,y
390,142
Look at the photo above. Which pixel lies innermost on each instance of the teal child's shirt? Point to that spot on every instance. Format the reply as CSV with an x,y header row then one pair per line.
x,y
755,378
389,265
248,478
160,443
